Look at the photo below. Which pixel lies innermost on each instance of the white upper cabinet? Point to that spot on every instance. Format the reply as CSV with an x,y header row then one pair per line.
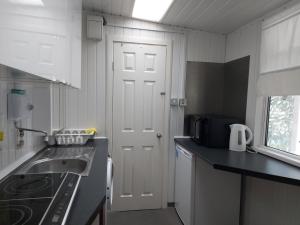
x,y
42,37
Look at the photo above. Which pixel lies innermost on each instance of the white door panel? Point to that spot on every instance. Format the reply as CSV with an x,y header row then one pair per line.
x,y
138,110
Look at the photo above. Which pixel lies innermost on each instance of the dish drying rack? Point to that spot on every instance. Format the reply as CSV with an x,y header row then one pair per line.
x,y
74,136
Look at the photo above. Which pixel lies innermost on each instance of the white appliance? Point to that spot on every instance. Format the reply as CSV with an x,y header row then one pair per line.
x,y
238,137
184,185
19,104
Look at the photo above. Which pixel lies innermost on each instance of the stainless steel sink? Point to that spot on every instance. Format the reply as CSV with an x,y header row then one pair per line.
x,y
59,160
58,165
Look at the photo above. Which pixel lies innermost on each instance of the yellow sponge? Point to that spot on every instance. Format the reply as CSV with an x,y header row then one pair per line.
x,y
1,136
91,131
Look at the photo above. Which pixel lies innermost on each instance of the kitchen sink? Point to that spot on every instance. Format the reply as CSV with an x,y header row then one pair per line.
x,y
59,160
58,166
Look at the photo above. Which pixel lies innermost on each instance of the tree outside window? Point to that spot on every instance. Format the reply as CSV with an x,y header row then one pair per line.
x,y
283,123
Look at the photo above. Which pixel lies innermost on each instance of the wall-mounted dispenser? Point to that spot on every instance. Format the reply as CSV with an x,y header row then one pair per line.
x,y
95,27
19,104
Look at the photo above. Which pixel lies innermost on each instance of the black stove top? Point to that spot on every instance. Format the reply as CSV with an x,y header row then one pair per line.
x,y
30,186
33,199
25,212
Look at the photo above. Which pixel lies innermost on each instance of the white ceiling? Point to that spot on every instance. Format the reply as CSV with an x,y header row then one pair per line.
x,y
221,16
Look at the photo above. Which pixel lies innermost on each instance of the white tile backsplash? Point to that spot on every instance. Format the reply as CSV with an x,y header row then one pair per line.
x,y
9,152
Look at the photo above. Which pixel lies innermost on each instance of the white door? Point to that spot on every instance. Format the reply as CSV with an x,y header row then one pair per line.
x,y
138,114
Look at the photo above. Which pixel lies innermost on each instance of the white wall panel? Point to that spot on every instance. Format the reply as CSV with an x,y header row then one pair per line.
x,y
9,152
205,47
55,102
86,107
58,106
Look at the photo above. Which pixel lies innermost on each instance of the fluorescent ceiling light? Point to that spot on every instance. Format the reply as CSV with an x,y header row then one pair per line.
x,y
153,10
28,2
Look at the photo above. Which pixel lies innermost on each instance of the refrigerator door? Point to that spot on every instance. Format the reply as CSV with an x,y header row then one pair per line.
x,y
184,185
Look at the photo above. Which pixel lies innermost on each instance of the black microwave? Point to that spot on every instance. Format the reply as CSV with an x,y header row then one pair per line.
x,y
211,130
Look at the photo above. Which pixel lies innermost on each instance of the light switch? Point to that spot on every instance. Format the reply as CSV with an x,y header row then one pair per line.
x,y
174,102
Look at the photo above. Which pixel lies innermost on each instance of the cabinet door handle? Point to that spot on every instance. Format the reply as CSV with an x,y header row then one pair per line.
x,y
159,135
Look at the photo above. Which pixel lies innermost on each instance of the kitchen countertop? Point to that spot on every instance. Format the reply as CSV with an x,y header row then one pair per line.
x,y
250,164
91,192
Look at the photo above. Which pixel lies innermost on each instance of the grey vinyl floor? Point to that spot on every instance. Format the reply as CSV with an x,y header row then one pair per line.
x,y
144,217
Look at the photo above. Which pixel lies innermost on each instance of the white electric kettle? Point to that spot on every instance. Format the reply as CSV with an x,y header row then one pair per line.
x,y
238,141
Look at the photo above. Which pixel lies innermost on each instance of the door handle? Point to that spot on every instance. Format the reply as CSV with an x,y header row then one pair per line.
x,y
159,135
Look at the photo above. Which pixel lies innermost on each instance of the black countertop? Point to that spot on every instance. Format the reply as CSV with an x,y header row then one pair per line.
x,y
92,189
91,193
251,164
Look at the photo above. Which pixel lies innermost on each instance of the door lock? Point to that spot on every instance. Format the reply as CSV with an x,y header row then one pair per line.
x,y
159,135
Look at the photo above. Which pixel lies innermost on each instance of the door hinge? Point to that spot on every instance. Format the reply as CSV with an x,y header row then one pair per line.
x,y
113,66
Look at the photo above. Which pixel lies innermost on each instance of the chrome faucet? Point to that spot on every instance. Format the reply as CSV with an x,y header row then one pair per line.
x,y
21,130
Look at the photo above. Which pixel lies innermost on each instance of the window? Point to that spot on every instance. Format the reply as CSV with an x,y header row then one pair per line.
x,y
283,124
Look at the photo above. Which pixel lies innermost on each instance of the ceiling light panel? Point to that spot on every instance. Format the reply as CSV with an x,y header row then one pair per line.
x,y
152,10
28,2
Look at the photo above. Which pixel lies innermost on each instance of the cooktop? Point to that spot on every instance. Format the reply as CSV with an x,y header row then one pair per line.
x,y
30,186
37,199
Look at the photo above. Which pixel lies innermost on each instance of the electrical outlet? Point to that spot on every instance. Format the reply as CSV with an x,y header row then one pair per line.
x,y
174,102
182,102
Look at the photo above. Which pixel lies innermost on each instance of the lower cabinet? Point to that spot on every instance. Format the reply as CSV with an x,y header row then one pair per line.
x,y
217,196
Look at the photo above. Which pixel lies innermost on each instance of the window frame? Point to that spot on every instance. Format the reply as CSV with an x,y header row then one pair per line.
x,y
260,135
267,121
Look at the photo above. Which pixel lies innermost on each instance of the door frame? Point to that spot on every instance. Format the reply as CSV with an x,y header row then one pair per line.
x,y
110,40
